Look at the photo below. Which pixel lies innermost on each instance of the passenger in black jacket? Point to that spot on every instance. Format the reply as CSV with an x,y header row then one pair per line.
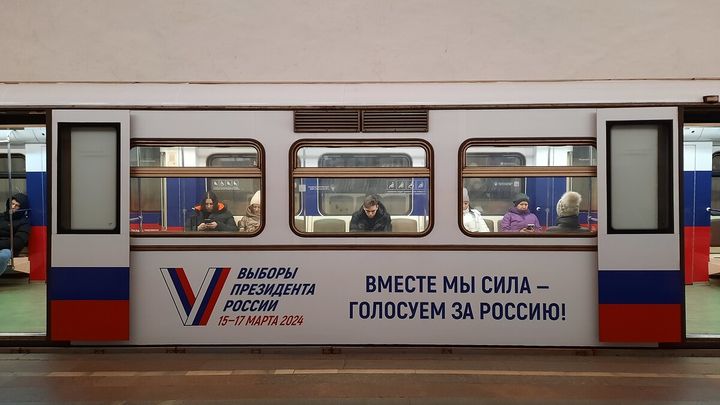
x,y
371,217
568,210
16,207
211,215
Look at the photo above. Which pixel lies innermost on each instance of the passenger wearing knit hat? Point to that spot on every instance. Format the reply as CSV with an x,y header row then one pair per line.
x,y
255,200
251,221
568,210
569,204
520,198
519,218
472,218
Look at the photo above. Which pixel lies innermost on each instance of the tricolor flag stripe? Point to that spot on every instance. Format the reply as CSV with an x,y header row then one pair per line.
x,y
186,287
214,286
195,309
220,282
176,275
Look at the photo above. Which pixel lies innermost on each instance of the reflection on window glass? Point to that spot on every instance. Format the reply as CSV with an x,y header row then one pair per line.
x,y
365,160
19,184
530,204
409,156
541,156
193,156
233,160
17,162
341,196
172,204
337,204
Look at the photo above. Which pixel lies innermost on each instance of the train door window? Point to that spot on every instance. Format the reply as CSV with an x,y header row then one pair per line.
x,y
334,181
88,178
171,182
17,173
640,175
495,173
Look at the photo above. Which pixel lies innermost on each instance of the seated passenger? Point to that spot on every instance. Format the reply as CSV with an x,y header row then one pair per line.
x,y
211,215
472,218
251,221
519,218
17,208
371,217
568,209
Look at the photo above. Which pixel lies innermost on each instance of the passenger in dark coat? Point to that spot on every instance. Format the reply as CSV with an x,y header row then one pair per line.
x,y
211,215
371,217
17,208
568,209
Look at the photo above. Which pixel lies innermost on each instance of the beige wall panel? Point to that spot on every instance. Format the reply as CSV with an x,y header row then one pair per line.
x,y
357,40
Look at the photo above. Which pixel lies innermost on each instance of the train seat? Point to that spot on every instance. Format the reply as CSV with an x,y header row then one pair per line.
x,y
22,264
495,220
300,224
329,225
404,225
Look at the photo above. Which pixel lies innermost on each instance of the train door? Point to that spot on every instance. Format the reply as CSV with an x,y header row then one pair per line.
x,y
88,281
23,183
701,171
639,270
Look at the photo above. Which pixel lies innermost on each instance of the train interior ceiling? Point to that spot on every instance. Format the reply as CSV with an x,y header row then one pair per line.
x,y
23,293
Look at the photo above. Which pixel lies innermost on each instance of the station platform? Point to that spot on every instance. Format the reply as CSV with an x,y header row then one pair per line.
x,y
368,375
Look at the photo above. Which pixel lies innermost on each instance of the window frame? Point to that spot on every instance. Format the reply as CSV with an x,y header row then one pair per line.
x,y
523,172
207,173
297,172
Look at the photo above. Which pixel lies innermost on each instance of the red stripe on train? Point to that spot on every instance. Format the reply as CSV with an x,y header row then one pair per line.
x,y
89,320
697,253
623,323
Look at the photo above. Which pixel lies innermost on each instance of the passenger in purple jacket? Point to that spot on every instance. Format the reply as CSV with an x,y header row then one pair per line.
x,y
519,218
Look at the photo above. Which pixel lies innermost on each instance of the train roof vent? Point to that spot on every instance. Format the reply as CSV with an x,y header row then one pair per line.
x,y
327,121
395,121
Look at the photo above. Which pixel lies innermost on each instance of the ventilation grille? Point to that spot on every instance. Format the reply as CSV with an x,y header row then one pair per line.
x,y
361,121
395,121
327,121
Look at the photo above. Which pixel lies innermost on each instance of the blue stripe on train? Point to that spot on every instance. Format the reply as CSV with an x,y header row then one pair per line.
x,y
36,191
89,283
696,194
640,287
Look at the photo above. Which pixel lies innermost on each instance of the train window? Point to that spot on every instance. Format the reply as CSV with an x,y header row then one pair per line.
x,y
170,183
495,173
715,193
333,181
19,183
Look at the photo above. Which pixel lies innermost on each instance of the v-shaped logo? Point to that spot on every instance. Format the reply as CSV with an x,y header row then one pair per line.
x,y
195,310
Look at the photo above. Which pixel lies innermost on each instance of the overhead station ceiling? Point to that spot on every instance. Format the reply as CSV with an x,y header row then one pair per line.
x,y
705,132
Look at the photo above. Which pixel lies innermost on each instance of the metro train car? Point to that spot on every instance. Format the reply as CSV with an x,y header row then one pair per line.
x,y
127,264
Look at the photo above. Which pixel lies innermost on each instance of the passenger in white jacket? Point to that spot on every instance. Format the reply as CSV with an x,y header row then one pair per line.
x,y
472,218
